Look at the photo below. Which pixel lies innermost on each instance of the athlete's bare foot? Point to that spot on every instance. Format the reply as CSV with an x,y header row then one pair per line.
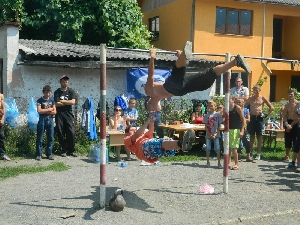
x,y
152,52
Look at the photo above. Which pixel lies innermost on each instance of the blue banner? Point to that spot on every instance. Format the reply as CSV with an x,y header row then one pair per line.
x,y
137,77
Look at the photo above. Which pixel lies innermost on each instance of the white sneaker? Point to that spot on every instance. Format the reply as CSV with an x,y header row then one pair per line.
x,y
144,163
257,157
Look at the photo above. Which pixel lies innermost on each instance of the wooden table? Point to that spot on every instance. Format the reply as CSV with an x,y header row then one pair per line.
x,y
180,128
116,137
270,135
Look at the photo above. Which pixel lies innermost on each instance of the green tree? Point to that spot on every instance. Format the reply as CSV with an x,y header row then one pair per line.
x,y
12,10
118,23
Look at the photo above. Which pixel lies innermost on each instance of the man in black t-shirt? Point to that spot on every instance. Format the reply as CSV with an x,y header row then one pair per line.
x,y
64,98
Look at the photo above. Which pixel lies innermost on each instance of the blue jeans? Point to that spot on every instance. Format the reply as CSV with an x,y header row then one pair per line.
x,y
45,124
216,144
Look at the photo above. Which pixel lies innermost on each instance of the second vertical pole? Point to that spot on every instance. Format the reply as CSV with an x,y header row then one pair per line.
x,y
227,76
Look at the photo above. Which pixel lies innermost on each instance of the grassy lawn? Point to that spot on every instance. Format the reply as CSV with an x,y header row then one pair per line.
x,y
7,172
196,154
193,155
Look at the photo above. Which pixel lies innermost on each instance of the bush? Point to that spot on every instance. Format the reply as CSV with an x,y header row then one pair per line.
x,y
172,110
21,142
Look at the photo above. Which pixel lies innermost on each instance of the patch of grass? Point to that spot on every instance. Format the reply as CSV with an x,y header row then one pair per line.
x,y
8,172
195,154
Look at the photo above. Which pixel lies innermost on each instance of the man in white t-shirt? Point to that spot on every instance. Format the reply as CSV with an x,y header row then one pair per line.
x,y
240,91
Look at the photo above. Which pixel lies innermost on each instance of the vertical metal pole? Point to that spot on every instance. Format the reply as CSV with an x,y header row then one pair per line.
x,y
227,76
102,125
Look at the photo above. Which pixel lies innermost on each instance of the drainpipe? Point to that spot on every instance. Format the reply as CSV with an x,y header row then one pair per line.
x,y
263,40
193,22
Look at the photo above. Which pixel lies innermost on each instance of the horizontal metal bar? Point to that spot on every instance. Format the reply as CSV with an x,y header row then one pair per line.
x,y
271,59
207,54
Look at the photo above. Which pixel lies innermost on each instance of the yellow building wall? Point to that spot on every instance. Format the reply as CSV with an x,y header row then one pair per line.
x,y
207,41
175,24
258,45
283,83
175,30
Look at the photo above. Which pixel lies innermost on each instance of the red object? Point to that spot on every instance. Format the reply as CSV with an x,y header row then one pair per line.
x,y
181,121
199,120
175,123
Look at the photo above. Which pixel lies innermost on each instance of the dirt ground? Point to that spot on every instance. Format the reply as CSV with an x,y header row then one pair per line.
x,y
260,193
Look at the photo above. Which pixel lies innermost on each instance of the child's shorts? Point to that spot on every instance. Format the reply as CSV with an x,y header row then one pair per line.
x,y
234,138
152,148
216,142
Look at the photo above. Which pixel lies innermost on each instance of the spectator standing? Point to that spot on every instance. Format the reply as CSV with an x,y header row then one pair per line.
x,y
116,122
290,124
245,140
46,109
213,122
296,154
2,117
64,98
131,113
256,124
236,131
239,90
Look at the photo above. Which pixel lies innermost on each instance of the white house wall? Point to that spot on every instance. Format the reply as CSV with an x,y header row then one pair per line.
x,y
28,81
9,50
85,81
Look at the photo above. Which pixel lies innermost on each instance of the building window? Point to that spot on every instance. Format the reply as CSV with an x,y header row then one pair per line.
x,y
154,28
233,21
220,82
295,82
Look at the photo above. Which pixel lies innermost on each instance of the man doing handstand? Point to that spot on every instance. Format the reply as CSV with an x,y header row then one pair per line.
x,y
150,149
178,83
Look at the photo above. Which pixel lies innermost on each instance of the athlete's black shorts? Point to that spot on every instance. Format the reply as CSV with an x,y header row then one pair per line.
x,y
179,83
290,137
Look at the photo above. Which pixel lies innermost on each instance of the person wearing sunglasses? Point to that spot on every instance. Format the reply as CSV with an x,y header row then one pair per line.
x,y
117,122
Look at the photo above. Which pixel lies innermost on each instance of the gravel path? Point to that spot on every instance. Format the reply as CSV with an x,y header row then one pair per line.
x,y
261,193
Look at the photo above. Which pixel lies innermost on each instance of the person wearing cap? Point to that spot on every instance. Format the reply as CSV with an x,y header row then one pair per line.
x,y
46,109
2,137
64,98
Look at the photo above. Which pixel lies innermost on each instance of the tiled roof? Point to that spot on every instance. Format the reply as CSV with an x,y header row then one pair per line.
x,y
276,2
50,49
